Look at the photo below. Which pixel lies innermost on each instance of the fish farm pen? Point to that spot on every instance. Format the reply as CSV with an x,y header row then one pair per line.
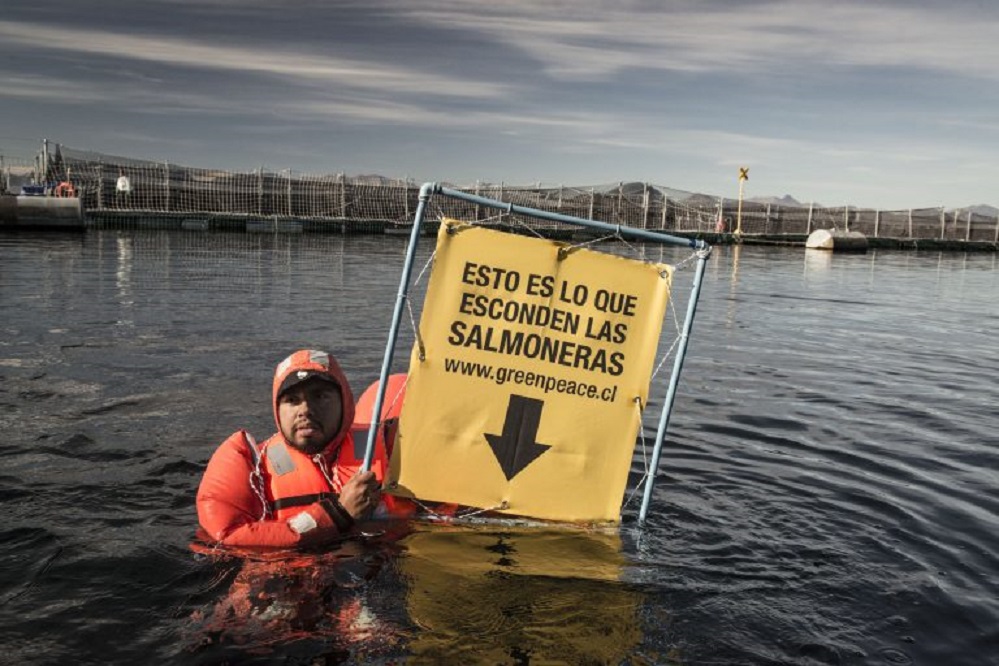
x,y
164,195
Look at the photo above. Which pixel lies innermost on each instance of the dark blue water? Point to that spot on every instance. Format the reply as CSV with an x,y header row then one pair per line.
x,y
828,492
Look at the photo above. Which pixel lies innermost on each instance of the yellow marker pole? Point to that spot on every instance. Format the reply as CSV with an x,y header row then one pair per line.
x,y
743,177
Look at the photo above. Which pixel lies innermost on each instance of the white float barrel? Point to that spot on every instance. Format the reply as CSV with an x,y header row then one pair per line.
x,y
837,241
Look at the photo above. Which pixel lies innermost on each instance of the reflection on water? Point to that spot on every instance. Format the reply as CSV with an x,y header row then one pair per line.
x,y
310,602
733,284
518,596
439,594
826,495
817,261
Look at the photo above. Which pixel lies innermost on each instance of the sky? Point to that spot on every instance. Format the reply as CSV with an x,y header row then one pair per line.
x,y
880,104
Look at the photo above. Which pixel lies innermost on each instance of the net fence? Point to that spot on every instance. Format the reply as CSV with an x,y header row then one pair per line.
x,y
125,191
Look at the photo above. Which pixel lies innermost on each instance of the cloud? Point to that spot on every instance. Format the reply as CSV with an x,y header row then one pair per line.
x,y
802,91
368,110
46,88
590,40
195,54
69,91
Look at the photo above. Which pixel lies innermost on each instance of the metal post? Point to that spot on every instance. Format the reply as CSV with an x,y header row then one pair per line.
x,y
478,192
343,196
910,223
260,191
681,353
967,227
405,197
743,177
645,207
414,236
846,218
591,204
877,222
808,228
100,183
943,222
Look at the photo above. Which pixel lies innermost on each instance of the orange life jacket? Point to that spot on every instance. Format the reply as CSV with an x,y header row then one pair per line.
x,y
65,189
289,479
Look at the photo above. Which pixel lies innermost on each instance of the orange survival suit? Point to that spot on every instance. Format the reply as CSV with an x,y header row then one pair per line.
x,y
254,495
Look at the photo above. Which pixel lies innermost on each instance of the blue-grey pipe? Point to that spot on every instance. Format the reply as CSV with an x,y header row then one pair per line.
x,y
681,353
627,232
426,191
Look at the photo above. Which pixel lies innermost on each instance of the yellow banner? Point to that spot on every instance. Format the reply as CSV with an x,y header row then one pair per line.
x,y
536,358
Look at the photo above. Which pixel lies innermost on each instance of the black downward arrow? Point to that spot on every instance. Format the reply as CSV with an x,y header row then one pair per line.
x,y
515,449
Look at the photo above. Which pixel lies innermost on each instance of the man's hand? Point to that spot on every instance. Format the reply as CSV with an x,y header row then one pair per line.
x,y
360,495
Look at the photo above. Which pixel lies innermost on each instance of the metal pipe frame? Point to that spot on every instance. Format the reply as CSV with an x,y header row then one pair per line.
x,y
427,191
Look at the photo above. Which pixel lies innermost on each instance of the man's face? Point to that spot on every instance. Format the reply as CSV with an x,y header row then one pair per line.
x,y
310,413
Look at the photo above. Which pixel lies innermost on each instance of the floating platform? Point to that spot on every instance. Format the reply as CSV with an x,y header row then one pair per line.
x,y
40,212
274,226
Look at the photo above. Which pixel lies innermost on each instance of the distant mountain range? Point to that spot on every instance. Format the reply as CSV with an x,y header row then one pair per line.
x,y
786,200
980,209
983,210
708,200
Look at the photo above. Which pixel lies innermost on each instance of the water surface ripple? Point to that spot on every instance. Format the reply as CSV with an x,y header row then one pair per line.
x,y
827,495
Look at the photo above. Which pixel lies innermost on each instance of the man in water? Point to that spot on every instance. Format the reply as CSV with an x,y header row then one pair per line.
x,y
302,486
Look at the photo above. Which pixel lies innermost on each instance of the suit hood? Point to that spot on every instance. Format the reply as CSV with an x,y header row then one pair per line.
x,y
308,363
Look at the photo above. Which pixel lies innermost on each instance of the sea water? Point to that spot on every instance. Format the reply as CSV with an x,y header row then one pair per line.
x,y
827,493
